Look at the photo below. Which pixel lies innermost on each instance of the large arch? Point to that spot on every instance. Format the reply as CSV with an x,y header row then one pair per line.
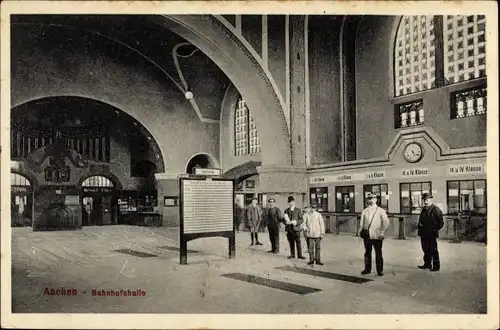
x,y
160,163
213,38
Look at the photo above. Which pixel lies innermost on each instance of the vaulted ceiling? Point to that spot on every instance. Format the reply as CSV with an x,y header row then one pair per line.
x,y
128,40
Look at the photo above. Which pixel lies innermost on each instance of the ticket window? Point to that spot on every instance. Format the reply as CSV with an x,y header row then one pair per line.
x,y
380,190
319,196
467,196
411,196
344,197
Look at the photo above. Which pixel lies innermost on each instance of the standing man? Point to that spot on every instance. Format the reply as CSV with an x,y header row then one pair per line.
x,y
293,221
254,217
429,224
274,219
238,215
315,229
375,222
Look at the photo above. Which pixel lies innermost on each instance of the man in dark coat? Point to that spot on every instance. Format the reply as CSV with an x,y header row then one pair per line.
x,y
293,226
429,224
274,219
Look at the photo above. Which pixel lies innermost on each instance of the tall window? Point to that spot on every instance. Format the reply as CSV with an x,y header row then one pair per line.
x,y
434,51
464,47
467,196
411,196
415,51
377,189
247,140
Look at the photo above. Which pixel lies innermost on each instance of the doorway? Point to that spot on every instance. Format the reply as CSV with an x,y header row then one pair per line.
x,y
98,202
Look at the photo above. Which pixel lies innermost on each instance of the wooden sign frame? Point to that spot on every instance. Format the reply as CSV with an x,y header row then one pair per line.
x,y
186,237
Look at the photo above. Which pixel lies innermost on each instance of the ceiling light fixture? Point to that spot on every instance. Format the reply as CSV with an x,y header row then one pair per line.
x,y
188,95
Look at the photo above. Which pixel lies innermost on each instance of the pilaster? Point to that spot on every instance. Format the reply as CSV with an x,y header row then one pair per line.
x,y
297,90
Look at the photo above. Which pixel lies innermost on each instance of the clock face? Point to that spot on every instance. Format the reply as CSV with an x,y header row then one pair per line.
x,y
413,152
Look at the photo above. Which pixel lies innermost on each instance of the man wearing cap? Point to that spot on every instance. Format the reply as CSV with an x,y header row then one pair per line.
x,y
293,221
254,217
429,224
315,230
375,221
274,219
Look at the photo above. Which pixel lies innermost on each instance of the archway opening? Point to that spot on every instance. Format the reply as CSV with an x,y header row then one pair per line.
x,y
200,161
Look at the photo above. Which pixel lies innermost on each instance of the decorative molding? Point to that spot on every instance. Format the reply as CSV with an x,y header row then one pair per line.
x,y
192,101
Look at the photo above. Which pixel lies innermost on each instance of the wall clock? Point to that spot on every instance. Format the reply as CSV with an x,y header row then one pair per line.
x,y
413,152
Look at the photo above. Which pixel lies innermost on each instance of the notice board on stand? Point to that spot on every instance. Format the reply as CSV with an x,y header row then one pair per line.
x,y
206,210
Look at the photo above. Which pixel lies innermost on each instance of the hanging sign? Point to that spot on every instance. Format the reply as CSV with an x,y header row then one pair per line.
x,y
208,171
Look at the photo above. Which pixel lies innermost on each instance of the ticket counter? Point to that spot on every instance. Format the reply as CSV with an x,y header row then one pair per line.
x,y
457,182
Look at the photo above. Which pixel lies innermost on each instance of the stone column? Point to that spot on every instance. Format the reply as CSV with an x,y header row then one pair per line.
x,y
168,185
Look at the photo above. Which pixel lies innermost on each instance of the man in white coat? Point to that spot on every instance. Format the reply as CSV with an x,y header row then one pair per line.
x,y
375,220
315,230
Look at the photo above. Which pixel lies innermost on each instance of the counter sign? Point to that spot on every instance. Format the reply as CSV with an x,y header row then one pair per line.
x,y
466,169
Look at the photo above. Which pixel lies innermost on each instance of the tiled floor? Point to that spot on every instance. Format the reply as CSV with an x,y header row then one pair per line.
x,y
130,258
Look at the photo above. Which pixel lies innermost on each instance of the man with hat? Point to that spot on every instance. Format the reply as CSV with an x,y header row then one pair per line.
x,y
274,219
375,222
293,222
429,224
315,230
254,217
